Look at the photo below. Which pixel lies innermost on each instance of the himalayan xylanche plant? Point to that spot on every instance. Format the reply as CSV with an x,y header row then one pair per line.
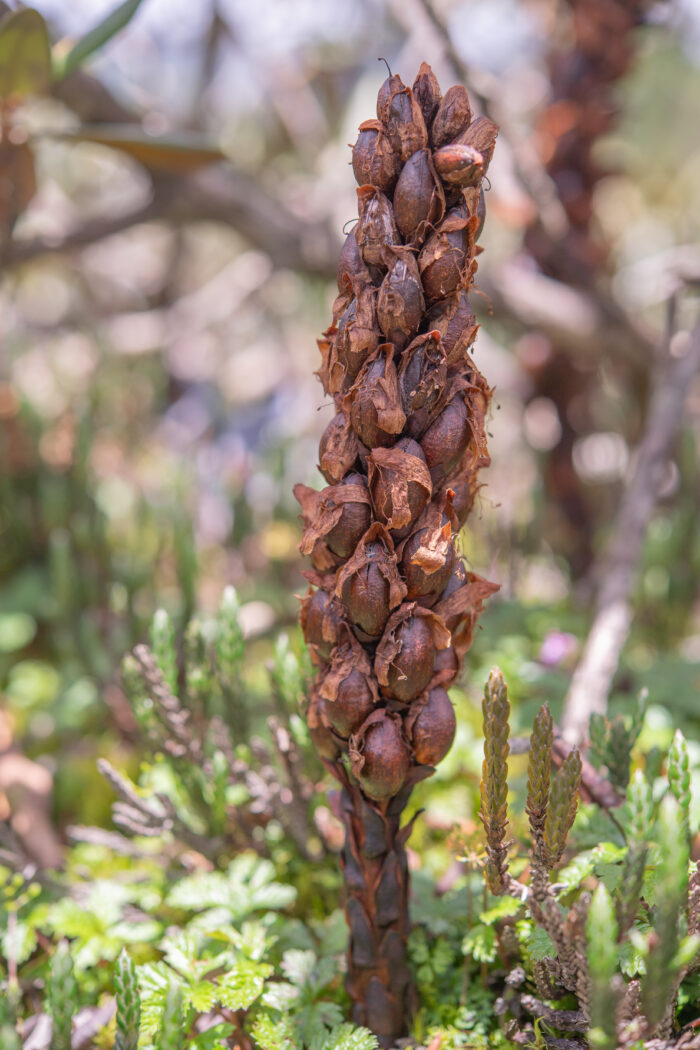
x,y
391,607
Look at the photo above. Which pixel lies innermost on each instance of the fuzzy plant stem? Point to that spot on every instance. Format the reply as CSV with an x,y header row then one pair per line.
x,y
391,607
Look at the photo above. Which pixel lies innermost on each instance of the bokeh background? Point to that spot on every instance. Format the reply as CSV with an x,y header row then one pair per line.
x,y
164,282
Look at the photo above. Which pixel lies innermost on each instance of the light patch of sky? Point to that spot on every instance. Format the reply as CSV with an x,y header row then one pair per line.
x,y
495,34
159,54
281,26
688,21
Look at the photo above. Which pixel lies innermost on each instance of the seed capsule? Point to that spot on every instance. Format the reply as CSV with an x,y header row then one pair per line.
x,y
373,160
419,201
392,83
459,165
324,560
433,730
422,378
400,303
399,484
351,266
454,319
461,604
464,487
428,555
354,518
357,335
447,666
321,737
402,118
349,688
379,756
337,449
406,654
445,441
339,515
321,616
426,92
369,584
376,228
480,135
373,401
453,116
457,580
353,703
480,214
443,256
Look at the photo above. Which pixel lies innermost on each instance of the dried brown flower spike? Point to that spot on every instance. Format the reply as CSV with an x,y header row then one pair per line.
x,y
392,608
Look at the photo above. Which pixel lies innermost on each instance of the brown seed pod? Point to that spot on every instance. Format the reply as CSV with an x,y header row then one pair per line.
x,y
452,118
373,402
463,491
329,374
402,118
337,449
339,515
459,164
323,559
447,666
426,92
392,83
477,396
428,555
445,441
456,581
348,688
462,603
321,615
419,200
431,726
405,656
399,484
400,303
443,255
480,214
454,319
376,228
369,584
480,135
357,334
373,160
379,756
422,379
321,736
351,266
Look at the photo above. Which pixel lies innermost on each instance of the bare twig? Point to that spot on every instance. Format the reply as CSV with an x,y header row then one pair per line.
x,y
219,194
593,677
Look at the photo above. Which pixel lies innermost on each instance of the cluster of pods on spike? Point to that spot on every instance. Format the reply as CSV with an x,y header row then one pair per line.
x,y
391,606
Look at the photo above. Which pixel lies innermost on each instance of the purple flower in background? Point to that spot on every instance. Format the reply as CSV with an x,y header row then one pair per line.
x,y
558,648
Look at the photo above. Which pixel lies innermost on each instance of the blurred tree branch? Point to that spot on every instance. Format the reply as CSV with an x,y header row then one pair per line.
x,y
219,194
591,682
225,195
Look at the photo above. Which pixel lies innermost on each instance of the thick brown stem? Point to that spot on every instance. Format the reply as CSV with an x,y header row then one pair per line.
x,y
375,871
